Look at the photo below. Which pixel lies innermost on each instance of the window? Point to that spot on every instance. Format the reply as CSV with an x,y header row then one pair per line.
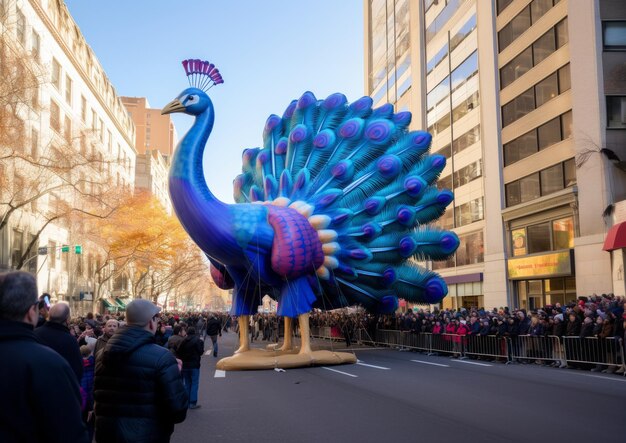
x,y
16,247
94,120
520,148
469,212
437,58
20,27
467,174
534,54
466,140
32,254
446,151
616,111
464,71
502,4
465,30
566,125
68,90
101,130
83,109
547,181
55,116
614,35
565,82
538,8
546,89
563,233
515,28
52,254
549,133
465,107
36,46
56,74
539,238
518,107
438,94
67,128
470,249
444,16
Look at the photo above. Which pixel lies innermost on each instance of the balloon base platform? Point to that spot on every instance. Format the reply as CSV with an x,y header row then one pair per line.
x,y
271,359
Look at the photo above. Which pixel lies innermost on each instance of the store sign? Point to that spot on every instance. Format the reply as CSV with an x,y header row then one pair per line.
x,y
558,263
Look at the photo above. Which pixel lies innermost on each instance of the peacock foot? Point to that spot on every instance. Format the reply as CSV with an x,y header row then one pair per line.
x,y
261,359
243,348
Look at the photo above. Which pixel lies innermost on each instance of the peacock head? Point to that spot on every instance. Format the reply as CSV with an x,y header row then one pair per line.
x,y
192,101
202,76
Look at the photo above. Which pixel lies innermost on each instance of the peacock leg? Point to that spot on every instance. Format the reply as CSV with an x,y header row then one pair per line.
x,y
287,343
244,339
305,335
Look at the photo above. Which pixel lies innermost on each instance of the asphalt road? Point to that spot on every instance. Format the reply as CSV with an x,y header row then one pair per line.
x,y
393,396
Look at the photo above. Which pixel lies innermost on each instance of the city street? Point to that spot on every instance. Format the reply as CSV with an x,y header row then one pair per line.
x,y
404,396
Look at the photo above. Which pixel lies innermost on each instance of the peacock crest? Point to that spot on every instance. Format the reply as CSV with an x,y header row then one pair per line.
x,y
367,185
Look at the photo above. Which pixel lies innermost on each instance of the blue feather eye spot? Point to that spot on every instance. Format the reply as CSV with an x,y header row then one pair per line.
x,y
281,146
306,100
420,139
445,197
379,131
334,101
436,289
352,128
298,133
407,246
272,121
402,118
414,185
389,277
362,104
439,161
263,158
324,139
405,216
290,109
389,166
342,170
373,205
449,242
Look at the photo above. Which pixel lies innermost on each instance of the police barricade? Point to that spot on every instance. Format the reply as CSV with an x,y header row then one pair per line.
x,y
599,351
535,348
486,346
420,341
447,344
387,337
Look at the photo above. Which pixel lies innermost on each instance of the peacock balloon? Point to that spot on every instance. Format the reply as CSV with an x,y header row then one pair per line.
x,y
334,210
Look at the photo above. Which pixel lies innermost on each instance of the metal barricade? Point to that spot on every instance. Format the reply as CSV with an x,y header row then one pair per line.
x,y
447,344
486,346
420,341
535,348
594,350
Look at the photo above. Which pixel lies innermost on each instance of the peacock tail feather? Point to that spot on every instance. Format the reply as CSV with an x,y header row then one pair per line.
x,y
368,186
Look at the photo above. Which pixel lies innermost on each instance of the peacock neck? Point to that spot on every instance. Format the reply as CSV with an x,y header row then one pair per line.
x,y
198,210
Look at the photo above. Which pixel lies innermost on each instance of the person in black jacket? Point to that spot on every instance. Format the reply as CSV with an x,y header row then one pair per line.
x,y
40,395
214,328
138,389
55,333
190,352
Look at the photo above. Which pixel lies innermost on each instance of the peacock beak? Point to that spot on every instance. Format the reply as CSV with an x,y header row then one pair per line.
x,y
173,106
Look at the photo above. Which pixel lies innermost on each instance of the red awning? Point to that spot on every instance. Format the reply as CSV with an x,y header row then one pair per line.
x,y
616,237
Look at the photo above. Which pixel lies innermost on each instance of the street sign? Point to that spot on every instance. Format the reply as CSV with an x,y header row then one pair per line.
x,y
78,249
42,251
65,248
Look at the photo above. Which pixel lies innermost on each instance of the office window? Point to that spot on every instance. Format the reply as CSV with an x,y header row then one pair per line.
x,y
545,182
446,151
518,107
466,140
16,247
469,212
544,46
467,174
546,89
465,107
561,33
616,111
513,29
565,82
502,4
520,148
20,27
68,90
471,249
517,67
549,133
563,233
55,116
551,179
614,35
566,125
538,8
465,30
464,71
435,60
529,188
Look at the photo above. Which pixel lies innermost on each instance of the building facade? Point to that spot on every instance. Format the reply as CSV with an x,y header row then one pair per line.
x,y
521,117
80,128
153,130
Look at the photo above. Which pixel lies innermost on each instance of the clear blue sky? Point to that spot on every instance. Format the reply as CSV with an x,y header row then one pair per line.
x,y
268,51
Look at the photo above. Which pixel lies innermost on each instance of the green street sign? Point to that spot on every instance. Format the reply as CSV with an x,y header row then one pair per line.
x,y
78,249
65,248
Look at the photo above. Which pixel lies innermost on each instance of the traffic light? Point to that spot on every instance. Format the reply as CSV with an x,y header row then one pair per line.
x,y
65,248
78,249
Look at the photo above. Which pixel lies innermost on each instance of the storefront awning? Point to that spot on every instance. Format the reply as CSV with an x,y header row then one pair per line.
x,y
120,303
107,304
615,238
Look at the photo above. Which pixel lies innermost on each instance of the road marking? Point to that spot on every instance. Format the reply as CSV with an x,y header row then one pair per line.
x,y
219,373
371,366
430,363
471,363
599,376
208,352
341,372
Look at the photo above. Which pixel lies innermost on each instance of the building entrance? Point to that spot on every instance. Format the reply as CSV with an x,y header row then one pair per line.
x,y
534,294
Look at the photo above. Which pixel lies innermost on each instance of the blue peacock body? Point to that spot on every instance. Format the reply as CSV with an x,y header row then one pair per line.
x,y
333,210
